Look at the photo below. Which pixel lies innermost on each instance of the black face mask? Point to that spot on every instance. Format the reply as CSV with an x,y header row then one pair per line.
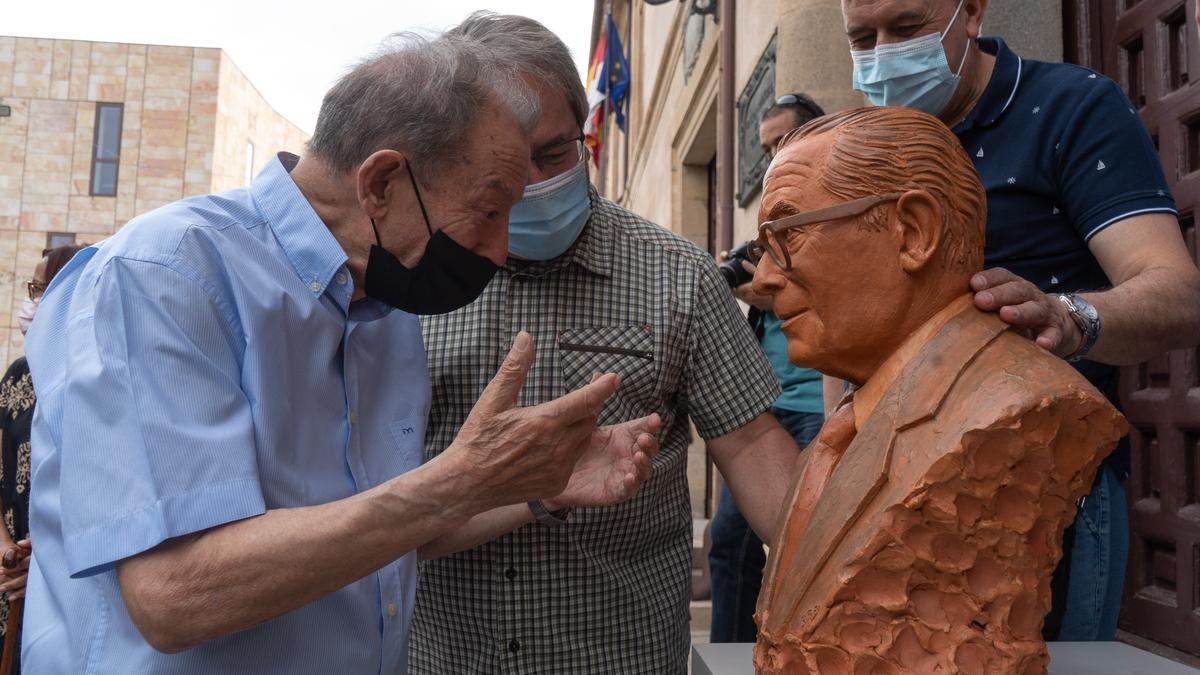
x,y
447,277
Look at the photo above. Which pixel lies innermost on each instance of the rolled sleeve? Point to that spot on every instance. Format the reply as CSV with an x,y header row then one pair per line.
x,y
730,381
158,436
1108,168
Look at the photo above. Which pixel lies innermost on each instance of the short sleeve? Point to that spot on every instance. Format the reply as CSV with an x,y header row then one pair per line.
x,y
1108,167
729,380
158,437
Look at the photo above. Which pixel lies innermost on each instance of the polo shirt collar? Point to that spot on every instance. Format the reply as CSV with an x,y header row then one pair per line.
x,y
310,247
1001,88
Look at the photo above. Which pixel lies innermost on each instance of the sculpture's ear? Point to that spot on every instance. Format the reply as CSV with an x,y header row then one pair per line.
x,y
917,227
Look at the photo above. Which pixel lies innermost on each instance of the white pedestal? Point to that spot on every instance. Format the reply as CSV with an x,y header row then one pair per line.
x,y
1066,658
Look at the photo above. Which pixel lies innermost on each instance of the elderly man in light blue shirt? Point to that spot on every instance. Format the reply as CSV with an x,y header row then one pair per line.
x,y
232,394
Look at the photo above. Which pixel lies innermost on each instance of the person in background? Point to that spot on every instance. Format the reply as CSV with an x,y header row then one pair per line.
x,y
604,590
1083,249
17,399
737,557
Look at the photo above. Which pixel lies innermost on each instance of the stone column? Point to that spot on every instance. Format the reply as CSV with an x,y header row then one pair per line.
x,y
1031,28
813,55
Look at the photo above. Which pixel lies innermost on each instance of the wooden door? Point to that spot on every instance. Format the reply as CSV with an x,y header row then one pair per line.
x,y
1151,48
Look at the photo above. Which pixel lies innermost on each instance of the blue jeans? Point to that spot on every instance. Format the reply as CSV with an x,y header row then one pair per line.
x,y
736,560
1094,576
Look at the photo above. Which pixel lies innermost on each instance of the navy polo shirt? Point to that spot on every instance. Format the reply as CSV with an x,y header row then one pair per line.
x,y
1062,155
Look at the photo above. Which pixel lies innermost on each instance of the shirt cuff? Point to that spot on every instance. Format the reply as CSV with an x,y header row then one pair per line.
x,y
97,548
1124,207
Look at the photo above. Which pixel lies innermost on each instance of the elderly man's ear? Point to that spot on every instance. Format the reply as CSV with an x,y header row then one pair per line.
x,y
917,229
374,180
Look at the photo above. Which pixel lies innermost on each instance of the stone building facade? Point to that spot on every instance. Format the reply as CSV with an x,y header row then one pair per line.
x,y
94,133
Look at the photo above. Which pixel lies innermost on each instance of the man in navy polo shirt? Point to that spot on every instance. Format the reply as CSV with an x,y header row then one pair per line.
x,y
1083,244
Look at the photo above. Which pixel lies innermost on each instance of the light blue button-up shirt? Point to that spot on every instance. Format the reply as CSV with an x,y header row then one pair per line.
x,y
203,365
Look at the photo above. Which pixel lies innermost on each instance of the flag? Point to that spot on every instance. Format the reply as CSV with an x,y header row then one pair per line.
x,y
608,87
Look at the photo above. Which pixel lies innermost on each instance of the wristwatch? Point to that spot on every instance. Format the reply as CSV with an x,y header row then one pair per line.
x,y
556,519
1086,318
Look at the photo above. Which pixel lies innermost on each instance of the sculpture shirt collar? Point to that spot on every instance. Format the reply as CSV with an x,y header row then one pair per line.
x,y
868,395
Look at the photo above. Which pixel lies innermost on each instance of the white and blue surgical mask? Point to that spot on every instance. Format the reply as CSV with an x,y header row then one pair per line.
x,y
912,74
550,215
26,314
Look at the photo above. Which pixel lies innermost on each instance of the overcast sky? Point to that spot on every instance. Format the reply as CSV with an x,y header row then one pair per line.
x,y
292,51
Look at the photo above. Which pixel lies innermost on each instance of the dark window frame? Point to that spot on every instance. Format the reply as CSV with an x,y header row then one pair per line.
x,y
56,239
97,161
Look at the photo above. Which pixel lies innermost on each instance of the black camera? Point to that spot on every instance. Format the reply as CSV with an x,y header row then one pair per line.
x,y
732,269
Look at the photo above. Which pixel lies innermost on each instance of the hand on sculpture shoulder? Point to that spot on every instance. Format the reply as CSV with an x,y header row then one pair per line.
x,y
513,455
1034,314
615,464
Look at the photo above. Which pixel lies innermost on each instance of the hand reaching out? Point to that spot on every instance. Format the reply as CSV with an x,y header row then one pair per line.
x,y
614,466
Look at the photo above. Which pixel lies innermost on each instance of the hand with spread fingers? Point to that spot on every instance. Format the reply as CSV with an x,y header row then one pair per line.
x,y
14,569
617,461
522,454
1038,316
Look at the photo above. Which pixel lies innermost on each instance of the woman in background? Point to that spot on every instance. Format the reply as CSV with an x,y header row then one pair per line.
x,y
16,413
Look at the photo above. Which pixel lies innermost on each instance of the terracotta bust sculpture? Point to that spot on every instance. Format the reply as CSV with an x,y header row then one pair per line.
x,y
927,516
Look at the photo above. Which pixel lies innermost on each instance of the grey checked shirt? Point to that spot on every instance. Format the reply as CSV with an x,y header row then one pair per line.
x,y
609,592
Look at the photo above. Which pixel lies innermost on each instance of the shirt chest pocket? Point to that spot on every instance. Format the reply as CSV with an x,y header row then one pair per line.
x,y
625,350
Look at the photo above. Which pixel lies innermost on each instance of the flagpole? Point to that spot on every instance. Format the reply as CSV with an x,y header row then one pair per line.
x,y
629,112
604,110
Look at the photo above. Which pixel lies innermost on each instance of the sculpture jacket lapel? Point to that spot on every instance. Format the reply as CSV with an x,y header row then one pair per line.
x,y
915,396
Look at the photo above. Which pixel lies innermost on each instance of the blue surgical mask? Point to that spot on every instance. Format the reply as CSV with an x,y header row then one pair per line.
x,y
913,74
550,216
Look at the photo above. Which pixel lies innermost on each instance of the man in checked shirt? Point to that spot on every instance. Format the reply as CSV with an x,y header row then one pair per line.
x,y
603,590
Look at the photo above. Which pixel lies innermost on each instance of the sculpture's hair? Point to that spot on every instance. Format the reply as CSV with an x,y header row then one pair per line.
x,y
530,49
877,150
420,96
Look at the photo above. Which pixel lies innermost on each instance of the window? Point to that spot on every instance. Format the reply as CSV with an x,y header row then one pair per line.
x,y
106,149
249,176
56,239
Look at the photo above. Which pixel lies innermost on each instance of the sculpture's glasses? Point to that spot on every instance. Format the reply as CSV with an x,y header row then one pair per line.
x,y
772,235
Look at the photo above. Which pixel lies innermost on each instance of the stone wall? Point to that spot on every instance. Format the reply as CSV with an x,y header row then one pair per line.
x,y
244,117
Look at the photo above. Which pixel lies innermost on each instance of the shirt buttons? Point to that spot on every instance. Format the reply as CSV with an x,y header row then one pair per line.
x,y
391,609
514,645
340,278
510,573
353,418
315,286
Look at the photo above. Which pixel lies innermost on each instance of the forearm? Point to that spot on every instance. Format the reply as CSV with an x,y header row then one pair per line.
x,y
235,576
477,531
758,467
1153,312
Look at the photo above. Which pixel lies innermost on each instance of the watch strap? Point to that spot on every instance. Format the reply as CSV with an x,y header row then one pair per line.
x,y
1084,314
545,517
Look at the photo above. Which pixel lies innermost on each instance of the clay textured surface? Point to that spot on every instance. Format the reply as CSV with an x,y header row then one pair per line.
x,y
931,547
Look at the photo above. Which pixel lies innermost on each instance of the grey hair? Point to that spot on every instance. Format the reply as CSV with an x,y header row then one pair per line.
x,y
419,96
530,49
